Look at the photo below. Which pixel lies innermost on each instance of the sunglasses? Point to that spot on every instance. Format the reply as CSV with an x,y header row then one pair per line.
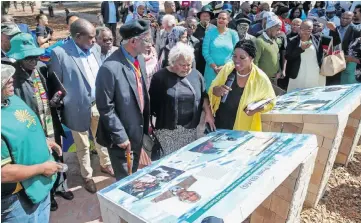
x,y
108,40
32,58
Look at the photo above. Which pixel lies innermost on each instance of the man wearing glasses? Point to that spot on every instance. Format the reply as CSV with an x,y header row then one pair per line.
x,y
122,97
104,38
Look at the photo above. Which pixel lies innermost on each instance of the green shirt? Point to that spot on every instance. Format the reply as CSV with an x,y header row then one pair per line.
x,y
267,56
26,145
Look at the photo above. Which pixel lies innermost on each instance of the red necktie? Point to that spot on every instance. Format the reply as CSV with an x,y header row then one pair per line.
x,y
138,78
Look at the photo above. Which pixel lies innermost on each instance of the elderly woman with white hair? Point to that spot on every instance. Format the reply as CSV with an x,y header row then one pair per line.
x,y
177,92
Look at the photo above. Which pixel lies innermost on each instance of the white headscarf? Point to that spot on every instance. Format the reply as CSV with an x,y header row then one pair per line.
x,y
273,21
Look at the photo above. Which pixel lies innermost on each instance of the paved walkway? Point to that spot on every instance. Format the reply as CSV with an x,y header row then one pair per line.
x,y
85,206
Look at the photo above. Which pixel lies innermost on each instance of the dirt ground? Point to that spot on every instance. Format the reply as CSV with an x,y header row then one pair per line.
x,y
342,201
57,23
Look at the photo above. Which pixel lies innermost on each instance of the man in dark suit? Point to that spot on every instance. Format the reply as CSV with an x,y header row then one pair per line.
x,y
111,15
347,34
76,63
122,98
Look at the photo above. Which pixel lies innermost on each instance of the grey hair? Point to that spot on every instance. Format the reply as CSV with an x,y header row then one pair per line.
x,y
101,29
180,50
169,20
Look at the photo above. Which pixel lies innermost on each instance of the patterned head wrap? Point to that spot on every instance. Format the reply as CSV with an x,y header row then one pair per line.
x,y
174,35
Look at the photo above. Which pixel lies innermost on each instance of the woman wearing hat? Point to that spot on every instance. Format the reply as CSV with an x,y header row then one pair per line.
x,y
236,86
205,16
218,46
242,26
28,171
32,86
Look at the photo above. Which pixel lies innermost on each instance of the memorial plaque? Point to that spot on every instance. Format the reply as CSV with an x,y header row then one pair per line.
x,y
333,114
226,174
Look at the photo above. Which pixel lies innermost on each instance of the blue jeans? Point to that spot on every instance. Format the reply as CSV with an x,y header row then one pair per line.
x,y
18,208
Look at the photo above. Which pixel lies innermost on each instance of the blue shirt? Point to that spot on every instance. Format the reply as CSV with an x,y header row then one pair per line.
x,y
127,55
112,12
342,31
81,52
153,6
91,68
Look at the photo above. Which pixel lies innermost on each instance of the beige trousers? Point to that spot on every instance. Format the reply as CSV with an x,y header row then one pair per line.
x,y
81,140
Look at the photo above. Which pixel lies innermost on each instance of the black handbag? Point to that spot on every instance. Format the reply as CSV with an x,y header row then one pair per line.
x,y
151,144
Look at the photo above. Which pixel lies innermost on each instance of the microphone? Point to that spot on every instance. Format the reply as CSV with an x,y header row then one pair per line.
x,y
229,83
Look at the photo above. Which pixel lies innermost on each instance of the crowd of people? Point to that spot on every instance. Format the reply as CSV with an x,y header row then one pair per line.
x,y
188,65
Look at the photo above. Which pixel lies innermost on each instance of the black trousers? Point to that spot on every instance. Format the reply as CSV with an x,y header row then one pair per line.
x,y
333,80
119,161
61,177
113,28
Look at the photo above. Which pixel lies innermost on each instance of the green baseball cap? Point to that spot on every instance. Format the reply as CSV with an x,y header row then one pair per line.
x,y
7,71
22,46
9,28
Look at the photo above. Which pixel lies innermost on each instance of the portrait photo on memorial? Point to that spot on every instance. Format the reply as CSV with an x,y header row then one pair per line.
x,y
218,143
151,182
182,191
312,105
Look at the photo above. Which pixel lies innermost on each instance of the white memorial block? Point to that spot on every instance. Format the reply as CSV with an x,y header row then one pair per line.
x,y
226,174
333,114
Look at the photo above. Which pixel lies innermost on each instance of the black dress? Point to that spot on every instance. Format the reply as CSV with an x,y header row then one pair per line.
x,y
176,100
227,111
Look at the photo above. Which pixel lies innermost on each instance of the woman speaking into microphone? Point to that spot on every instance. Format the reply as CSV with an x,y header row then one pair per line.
x,y
241,91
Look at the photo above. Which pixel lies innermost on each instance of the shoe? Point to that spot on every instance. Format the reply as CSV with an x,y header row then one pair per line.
x,y
108,170
67,195
89,185
53,205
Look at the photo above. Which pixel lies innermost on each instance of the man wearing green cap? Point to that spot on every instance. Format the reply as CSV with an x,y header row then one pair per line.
x,y
27,168
32,84
8,30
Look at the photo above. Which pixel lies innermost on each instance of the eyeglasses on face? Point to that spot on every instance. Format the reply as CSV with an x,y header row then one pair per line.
x,y
108,40
31,58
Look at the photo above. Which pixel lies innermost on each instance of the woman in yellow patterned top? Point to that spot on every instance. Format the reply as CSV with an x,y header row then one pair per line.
x,y
239,84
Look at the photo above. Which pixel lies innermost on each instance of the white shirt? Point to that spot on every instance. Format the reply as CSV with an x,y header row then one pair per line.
x,y
103,57
91,67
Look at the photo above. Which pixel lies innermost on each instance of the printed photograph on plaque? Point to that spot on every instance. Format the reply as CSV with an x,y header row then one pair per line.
x,y
312,105
151,181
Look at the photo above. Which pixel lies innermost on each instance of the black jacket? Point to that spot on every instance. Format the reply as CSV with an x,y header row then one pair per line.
x,y
351,34
105,11
118,103
24,88
164,105
293,52
199,34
